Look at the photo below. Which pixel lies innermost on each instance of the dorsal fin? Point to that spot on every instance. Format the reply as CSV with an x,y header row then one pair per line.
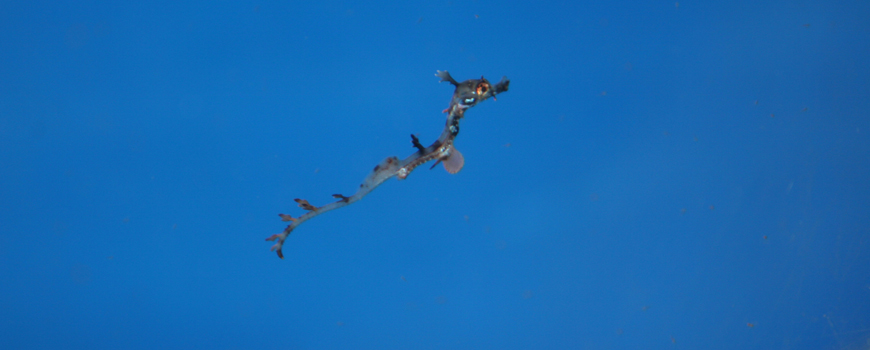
x,y
454,162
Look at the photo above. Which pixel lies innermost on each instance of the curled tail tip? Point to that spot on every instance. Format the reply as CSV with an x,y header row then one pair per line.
x,y
277,248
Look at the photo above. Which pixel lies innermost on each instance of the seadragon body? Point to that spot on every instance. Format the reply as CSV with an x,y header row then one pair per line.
x,y
467,94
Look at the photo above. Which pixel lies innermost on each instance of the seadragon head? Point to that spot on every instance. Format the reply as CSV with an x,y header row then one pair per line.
x,y
472,91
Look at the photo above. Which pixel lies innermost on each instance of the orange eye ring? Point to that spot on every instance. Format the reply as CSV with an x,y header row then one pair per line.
x,y
482,88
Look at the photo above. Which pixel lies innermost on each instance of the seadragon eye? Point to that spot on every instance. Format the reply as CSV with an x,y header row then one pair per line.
x,y
482,89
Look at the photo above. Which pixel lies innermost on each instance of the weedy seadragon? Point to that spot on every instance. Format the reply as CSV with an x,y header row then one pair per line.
x,y
467,94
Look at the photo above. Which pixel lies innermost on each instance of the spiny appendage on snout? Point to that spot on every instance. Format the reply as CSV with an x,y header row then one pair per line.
x,y
445,76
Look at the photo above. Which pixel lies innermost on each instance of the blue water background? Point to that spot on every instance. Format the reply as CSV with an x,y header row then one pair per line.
x,y
661,175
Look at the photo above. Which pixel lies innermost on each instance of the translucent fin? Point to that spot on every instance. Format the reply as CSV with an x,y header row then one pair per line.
x,y
454,162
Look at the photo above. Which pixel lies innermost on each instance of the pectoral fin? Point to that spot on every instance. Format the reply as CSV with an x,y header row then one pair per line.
x,y
454,162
